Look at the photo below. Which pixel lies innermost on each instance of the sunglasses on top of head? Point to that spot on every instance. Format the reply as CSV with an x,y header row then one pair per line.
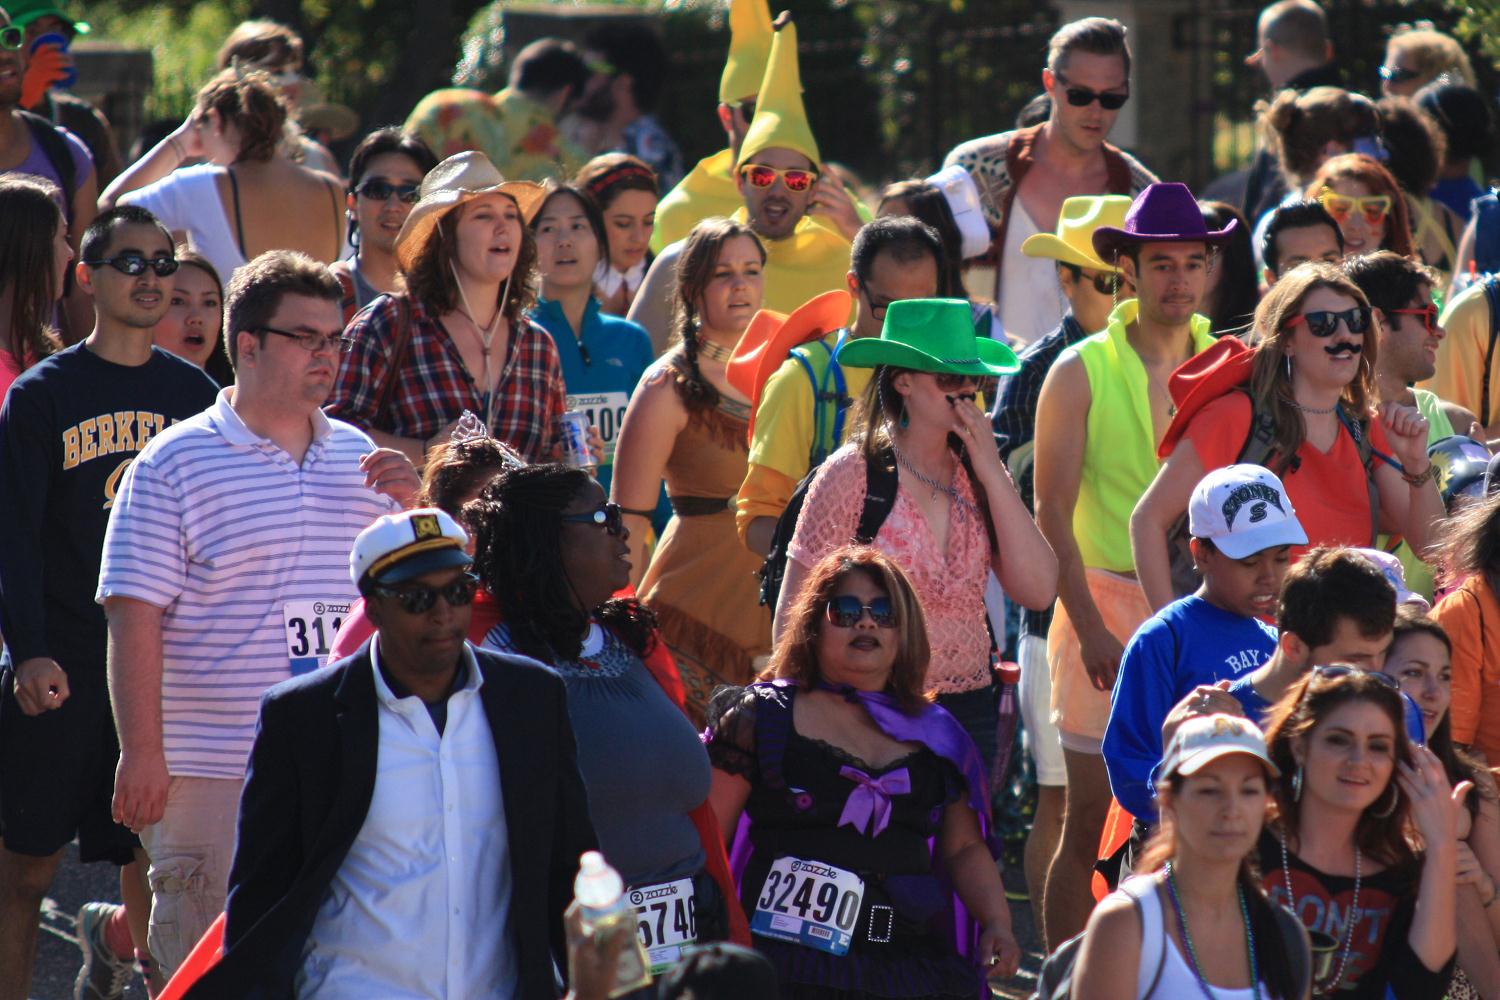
x,y
1324,322
416,598
135,264
1337,670
1373,207
846,611
607,517
758,175
377,189
1082,97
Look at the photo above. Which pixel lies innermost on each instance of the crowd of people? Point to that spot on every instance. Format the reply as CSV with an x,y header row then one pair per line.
x,y
380,542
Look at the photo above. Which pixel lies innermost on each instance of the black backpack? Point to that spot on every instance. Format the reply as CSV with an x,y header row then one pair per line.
x,y
880,495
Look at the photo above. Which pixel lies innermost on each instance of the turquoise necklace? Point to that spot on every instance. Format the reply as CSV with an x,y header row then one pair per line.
x,y
1188,940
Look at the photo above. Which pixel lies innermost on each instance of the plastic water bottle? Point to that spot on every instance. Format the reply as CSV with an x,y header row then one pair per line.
x,y
600,892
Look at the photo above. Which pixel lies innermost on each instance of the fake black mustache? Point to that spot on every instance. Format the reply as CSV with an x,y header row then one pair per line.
x,y
953,400
1348,345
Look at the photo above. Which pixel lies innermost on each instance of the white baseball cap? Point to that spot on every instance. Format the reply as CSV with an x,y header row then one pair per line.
x,y
398,547
1243,509
962,196
1203,739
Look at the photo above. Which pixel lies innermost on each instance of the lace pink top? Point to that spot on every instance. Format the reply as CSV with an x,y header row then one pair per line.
x,y
950,587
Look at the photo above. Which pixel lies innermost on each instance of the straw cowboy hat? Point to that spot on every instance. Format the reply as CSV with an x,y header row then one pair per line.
x,y
460,178
1073,241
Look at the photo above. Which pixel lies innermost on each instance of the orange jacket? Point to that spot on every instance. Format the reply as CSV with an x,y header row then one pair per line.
x,y
1471,617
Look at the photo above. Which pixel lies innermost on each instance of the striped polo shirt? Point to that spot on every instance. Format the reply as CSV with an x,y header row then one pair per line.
x,y
247,553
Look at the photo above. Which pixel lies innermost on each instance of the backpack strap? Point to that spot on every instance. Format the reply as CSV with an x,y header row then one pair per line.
x,y
822,442
1142,892
1367,455
1260,443
55,148
840,398
1492,296
814,454
881,483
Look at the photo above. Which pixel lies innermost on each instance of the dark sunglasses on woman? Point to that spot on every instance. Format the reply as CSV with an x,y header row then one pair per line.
x,y
846,611
417,598
606,517
1324,322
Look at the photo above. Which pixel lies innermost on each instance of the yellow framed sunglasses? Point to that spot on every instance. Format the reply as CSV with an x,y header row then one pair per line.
x,y
1373,207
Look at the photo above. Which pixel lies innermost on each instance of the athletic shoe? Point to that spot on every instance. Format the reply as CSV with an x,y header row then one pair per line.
x,y
104,974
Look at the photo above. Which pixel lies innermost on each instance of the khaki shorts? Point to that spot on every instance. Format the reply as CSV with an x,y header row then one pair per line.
x,y
190,852
1081,711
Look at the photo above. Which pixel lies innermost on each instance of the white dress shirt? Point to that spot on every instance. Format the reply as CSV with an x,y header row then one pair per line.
x,y
420,906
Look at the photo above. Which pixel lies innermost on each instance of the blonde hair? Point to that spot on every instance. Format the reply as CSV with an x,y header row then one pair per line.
x,y
1432,53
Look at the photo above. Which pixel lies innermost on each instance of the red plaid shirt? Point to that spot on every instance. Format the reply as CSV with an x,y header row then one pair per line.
x,y
434,388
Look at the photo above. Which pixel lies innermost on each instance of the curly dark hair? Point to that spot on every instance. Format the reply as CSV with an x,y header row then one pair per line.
x,y
457,470
251,103
695,269
517,522
430,280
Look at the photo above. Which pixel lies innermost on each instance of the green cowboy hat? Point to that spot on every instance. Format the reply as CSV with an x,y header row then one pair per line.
x,y
930,335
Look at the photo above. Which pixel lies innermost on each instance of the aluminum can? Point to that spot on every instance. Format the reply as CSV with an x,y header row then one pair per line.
x,y
575,437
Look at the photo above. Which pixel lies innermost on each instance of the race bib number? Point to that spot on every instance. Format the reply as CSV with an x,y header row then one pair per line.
x,y
809,903
606,411
310,628
665,921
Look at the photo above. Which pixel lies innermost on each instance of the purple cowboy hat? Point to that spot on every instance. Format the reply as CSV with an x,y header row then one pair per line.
x,y
1162,213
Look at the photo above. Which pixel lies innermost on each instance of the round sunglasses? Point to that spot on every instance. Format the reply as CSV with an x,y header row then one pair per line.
x,y
845,611
758,175
1323,322
416,599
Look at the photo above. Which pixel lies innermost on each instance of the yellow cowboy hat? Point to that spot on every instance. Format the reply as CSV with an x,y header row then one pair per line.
x,y
460,178
1074,241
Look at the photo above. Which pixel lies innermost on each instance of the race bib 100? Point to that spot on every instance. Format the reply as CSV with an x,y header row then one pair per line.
x,y
606,411
665,921
310,628
809,903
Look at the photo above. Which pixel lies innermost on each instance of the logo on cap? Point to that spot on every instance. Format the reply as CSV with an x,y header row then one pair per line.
x,y
1257,495
426,526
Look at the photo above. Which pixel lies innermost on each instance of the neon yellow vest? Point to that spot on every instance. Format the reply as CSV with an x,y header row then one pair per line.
x,y
1119,455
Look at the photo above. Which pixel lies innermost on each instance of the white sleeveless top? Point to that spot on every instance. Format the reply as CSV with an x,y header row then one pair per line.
x,y
1159,954
1031,301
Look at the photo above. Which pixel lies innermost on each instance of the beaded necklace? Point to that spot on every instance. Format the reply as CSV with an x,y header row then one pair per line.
x,y
960,503
1187,938
1286,873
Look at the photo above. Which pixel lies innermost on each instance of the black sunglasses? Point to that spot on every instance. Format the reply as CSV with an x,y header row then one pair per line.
x,y
380,190
1324,322
1340,670
416,599
846,611
135,264
1082,97
607,517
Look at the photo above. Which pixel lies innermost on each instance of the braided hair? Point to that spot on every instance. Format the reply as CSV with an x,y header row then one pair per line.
x,y
695,269
517,522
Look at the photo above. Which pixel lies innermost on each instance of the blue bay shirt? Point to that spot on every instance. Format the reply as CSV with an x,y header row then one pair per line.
x,y
1187,643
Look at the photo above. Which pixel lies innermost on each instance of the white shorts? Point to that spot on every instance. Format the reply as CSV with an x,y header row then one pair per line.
x,y
1036,712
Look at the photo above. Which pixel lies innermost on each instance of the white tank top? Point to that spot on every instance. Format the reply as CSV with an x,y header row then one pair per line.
x,y
1031,301
1161,962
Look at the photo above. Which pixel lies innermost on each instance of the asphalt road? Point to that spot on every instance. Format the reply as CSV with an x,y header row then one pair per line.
x,y
58,957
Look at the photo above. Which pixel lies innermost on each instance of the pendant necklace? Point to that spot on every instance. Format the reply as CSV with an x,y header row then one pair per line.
x,y
949,490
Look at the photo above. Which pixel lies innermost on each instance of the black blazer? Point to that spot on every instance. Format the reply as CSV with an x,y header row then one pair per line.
x,y
308,789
